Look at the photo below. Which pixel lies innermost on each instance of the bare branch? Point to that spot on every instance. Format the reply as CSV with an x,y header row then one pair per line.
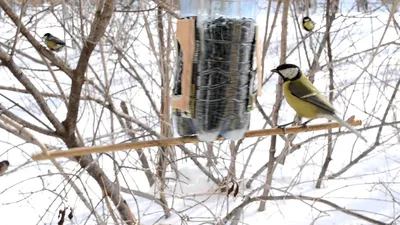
x,y
277,104
22,133
329,16
100,22
17,30
25,123
141,155
198,164
232,213
42,50
377,138
16,71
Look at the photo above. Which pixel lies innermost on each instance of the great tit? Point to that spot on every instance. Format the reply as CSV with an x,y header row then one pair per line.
x,y
4,166
53,43
308,24
305,99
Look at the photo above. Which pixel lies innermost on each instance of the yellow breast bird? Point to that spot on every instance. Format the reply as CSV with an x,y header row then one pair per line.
x,y
53,43
305,99
308,24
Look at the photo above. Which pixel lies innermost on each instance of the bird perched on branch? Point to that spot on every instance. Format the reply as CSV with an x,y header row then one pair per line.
x,y
4,166
53,43
308,24
305,99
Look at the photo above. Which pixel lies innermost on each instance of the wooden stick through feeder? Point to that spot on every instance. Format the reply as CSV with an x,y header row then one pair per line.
x,y
183,140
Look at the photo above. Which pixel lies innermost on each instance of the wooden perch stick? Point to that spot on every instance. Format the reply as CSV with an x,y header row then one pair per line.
x,y
183,140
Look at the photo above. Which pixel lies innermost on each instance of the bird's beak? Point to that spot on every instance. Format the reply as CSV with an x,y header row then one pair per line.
x,y
274,70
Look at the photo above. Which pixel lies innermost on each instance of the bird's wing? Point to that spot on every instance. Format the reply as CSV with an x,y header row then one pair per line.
x,y
56,40
311,95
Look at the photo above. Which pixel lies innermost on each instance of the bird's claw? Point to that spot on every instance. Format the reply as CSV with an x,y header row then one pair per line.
x,y
283,127
304,125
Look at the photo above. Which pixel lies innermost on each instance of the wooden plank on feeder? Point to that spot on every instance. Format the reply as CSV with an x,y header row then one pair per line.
x,y
185,34
184,140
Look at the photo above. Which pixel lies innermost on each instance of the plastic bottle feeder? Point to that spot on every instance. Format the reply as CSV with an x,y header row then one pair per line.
x,y
219,68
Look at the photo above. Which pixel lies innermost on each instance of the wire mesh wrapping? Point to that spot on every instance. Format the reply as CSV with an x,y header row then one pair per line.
x,y
222,80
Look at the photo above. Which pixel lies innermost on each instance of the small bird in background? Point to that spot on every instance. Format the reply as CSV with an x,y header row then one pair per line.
x,y
305,99
4,166
53,43
308,24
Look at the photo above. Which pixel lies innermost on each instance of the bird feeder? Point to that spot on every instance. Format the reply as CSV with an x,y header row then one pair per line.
x,y
218,73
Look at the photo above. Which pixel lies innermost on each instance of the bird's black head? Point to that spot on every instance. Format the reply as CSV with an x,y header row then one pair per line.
x,y
46,35
5,162
306,19
288,71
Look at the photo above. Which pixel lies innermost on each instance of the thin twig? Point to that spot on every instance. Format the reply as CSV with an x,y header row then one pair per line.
x,y
19,131
298,197
42,50
277,104
377,138
142,157
100,22
18,27
329,16
17,72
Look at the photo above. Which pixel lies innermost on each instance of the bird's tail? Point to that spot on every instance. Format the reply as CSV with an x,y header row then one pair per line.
x,y
344,123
